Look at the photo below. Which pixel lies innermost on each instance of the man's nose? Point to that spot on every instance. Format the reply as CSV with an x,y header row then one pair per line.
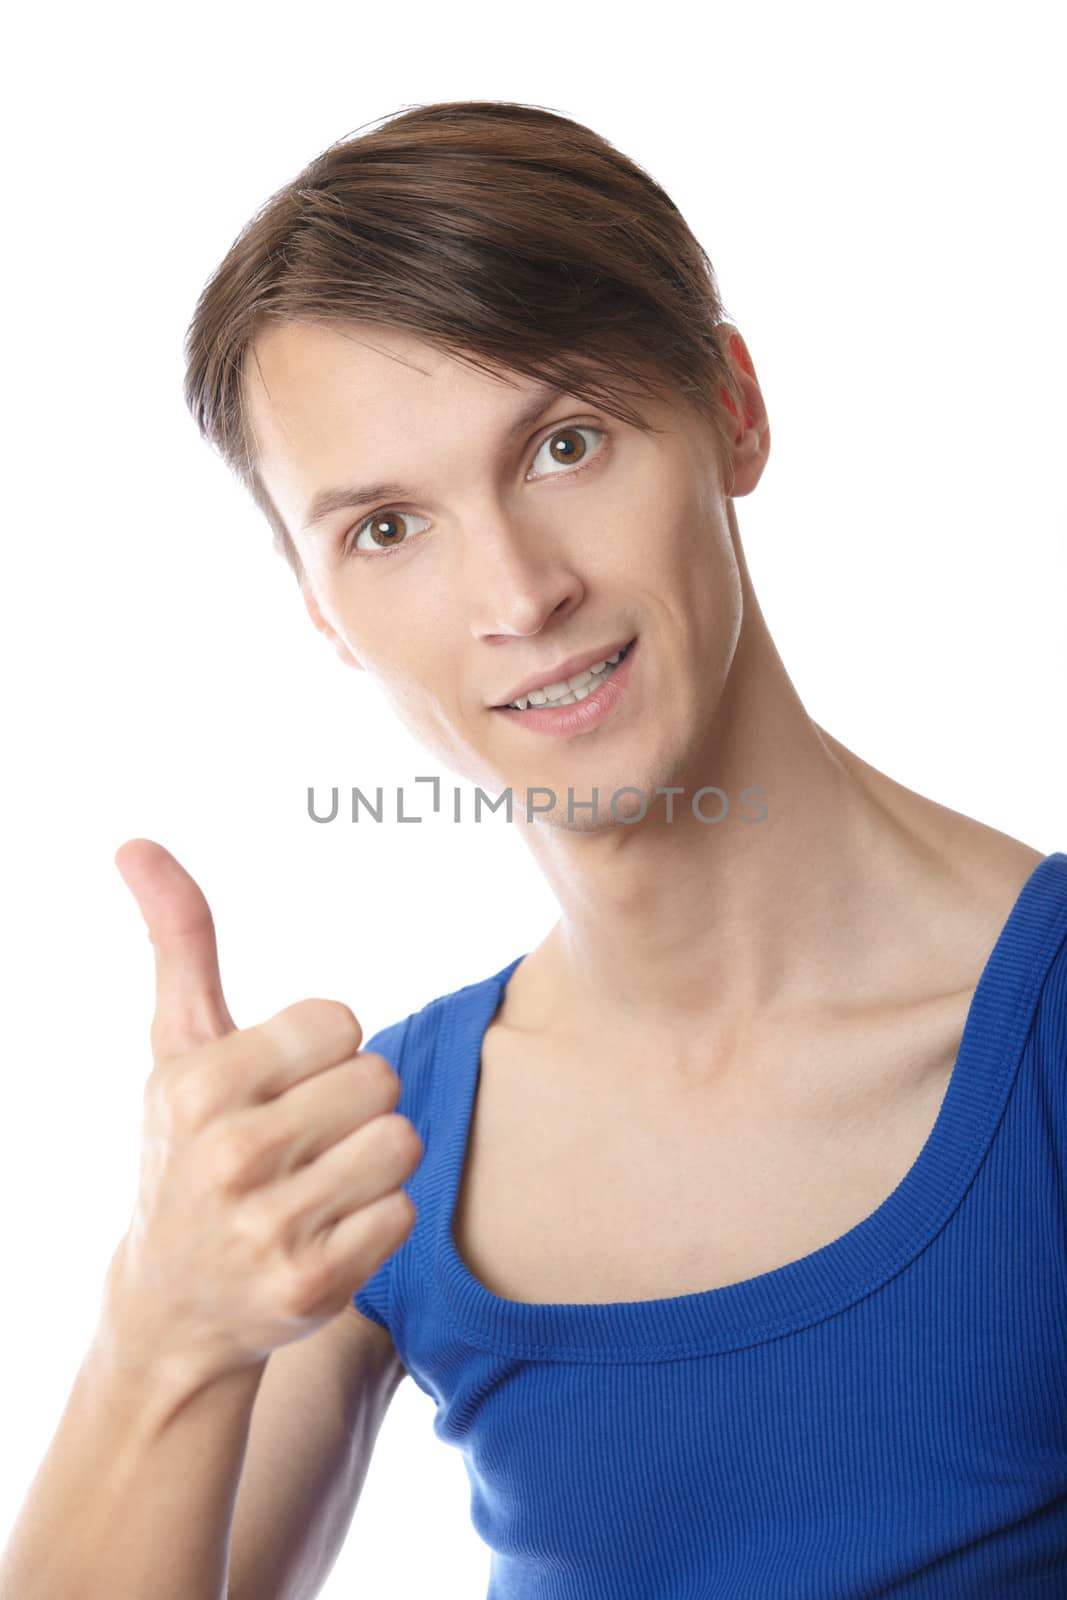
x,y
515,576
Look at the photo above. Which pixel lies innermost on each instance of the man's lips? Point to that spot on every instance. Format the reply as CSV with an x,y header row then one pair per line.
x,y
560,673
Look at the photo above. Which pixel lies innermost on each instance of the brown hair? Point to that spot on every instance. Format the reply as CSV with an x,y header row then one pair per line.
x,y
503,234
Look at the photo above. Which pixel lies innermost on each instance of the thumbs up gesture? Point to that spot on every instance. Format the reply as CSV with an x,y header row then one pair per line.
x,y
271,1156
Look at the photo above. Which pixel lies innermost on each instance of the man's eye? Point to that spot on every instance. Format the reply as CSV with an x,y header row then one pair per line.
x,y
382,523
385,524
570,460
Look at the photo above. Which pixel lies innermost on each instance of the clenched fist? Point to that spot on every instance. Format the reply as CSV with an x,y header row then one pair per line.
x,y
271,1158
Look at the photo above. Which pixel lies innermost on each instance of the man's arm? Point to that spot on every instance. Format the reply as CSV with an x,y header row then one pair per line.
x,y
314,1428
137,1494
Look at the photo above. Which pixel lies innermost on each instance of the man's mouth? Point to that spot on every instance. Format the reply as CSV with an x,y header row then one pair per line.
x,y
575,690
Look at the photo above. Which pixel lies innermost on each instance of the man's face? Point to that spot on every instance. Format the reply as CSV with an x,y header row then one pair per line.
x,y
503,555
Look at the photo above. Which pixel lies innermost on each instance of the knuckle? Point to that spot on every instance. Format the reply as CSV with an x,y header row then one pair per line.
x,y
304,1284
261,1227
189,1097
152,1093
335,1022
231,1154
376,1070
405,1139
343,1021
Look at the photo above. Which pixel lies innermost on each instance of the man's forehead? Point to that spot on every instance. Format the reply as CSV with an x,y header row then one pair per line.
x,y
302,380
288,362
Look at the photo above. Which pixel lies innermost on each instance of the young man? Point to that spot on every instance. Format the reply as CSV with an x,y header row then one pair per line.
x,y
712,1275
730,1247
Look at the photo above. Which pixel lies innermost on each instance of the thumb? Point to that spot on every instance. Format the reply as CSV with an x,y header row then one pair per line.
x,y
190,1007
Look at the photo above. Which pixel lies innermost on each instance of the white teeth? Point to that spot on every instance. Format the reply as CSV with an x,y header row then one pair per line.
x,y
567,693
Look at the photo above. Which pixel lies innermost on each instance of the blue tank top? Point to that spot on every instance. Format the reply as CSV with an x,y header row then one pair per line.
x,y
885,1416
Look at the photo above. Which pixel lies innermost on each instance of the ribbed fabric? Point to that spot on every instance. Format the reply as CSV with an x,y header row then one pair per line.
x,y
884,1417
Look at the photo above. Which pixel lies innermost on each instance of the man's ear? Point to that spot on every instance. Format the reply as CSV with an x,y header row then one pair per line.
x,y
752,437
327,632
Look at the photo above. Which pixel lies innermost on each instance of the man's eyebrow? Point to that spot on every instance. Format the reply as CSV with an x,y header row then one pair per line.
x,y
327,501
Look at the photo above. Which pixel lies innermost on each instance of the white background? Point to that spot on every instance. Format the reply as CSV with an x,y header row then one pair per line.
x,y
880,191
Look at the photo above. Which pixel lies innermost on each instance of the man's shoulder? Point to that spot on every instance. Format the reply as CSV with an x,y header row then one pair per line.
x,y
421,1026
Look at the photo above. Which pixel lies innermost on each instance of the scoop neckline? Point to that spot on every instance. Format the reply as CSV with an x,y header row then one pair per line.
x,y
792,1297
